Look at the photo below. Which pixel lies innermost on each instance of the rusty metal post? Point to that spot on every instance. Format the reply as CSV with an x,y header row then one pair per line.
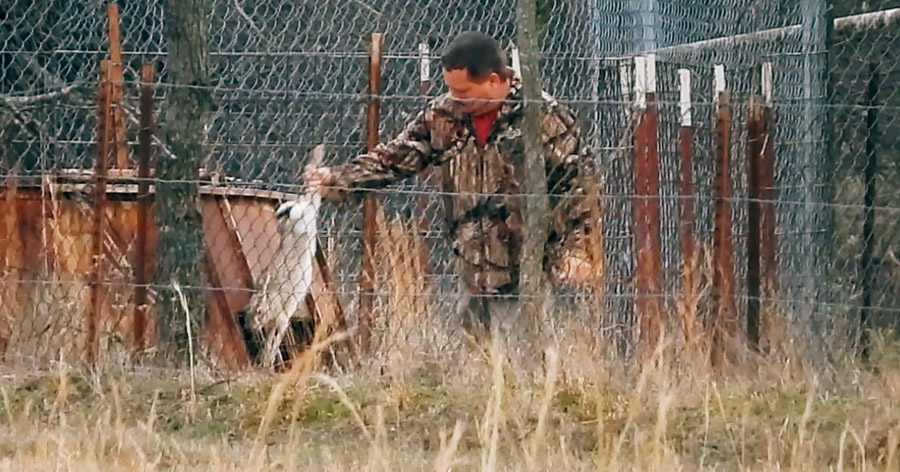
x,y
144,199
767,243
690,283
755,144
686,153
104,118
370,204
424,68
724,321
118,80
426,177
648,246
869,178
762,272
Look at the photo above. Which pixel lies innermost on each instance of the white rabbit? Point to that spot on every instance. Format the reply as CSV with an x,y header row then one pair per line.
x,y
281,295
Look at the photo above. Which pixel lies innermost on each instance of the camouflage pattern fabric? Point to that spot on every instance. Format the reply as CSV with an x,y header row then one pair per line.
x,y
483,184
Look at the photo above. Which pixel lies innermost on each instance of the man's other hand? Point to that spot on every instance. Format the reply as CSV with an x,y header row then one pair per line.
x,y
575,269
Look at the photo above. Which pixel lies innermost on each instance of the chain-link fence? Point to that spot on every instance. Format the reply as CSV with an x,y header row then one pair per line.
x,y
284,77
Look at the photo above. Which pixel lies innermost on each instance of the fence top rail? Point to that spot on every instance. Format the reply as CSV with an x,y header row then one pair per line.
x,y
124,182
846,24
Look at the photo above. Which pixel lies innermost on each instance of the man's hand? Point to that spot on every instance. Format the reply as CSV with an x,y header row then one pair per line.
x,y
317,179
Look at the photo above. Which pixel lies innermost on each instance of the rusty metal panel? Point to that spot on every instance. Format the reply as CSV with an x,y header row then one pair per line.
x,y
228,261
220,327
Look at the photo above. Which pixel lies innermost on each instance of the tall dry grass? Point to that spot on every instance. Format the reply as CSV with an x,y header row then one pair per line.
x,y
647,416
577,409
487,407
403,321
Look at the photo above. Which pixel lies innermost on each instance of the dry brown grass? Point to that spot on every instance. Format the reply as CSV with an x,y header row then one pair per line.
x,y
580,409
427,404
403,316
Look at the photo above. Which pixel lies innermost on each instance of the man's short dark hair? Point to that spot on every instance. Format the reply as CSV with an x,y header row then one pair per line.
x,y
476,52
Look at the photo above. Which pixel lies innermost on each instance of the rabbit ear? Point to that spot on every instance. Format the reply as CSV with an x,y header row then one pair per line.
x,y
316,156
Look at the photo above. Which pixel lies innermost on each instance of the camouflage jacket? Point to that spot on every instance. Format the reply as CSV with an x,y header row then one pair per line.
x,y
483,184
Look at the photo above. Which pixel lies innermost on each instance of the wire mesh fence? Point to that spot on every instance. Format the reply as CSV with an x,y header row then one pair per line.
x,y
282,78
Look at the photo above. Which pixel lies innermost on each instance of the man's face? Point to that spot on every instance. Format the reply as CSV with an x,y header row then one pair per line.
x,y
476,96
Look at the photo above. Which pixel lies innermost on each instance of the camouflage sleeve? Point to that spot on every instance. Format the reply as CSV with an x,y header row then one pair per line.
x,y
404,156
575,187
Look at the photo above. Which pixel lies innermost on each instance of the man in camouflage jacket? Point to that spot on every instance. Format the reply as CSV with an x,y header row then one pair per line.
x,y
474,135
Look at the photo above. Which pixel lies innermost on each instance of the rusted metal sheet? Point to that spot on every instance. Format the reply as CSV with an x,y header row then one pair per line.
x,y
224,244
255,223
648,247
724,320
221,329
11,249
370,204
242,248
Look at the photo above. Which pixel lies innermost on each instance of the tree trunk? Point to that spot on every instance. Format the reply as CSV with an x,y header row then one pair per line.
x,y
532,281
177,195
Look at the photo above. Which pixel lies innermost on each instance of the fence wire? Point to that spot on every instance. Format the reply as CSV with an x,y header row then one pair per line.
x,y
287,76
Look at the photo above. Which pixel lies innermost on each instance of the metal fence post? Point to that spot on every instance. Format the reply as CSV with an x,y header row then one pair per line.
x,y
648,245
144,200
724,310
370,204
